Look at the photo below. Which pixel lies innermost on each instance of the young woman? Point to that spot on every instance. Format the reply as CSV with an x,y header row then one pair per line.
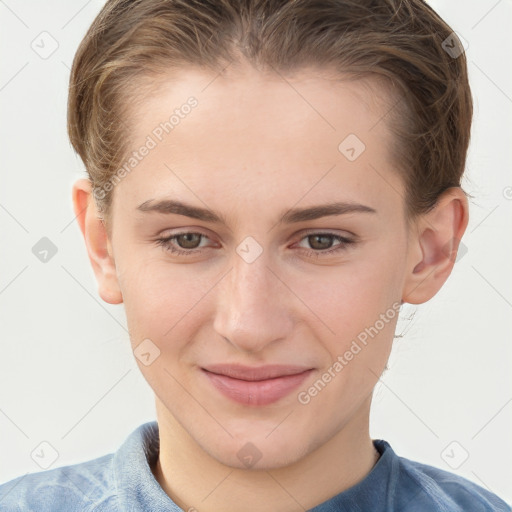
x,y
268,182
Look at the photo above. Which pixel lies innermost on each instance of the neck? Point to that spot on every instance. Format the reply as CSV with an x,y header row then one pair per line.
x,y
193,479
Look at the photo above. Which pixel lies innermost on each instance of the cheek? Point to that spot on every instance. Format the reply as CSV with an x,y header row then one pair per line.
x,y
362,308
155,294
160,302
351,297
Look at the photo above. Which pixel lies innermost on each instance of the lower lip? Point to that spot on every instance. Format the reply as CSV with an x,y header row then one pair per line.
x,y
259,392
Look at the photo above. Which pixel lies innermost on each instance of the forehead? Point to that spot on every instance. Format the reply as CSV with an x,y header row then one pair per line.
x,y
251,130
323,99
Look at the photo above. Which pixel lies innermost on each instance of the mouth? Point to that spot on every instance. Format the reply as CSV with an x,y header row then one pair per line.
x,y
253,373
256,385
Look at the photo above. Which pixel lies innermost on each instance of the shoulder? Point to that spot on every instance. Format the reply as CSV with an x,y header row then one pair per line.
x,y
427,488
85,486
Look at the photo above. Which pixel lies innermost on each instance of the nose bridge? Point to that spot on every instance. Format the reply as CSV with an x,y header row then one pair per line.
x,y
251,311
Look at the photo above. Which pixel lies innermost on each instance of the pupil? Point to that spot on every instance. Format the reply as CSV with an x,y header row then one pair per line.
x,y
325,238
188,237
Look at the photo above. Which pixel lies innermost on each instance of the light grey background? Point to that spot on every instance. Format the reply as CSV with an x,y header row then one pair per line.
x,y
67,373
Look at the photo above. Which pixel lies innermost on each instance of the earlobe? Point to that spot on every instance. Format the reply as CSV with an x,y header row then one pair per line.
x,y
433,247
97,242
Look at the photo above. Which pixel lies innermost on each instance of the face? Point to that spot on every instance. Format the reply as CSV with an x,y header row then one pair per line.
x,y
256,283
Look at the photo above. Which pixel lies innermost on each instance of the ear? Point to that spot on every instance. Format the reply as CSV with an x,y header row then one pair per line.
x,y
98,245
433,244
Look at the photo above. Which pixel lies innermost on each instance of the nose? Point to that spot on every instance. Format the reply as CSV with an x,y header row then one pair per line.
x,y
254,305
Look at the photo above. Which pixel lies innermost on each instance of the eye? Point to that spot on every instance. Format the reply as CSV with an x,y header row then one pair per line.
x,y
322,244
187,243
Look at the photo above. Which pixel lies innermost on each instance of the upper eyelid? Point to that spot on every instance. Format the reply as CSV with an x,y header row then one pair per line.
x,y
343,234
302,235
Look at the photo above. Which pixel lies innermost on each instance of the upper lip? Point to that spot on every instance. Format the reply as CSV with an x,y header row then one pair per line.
x,y
251,373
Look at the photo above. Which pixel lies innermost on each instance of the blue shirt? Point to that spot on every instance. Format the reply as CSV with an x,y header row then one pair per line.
x,y
123,482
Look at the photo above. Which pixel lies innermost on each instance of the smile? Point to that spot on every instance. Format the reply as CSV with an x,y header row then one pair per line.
x,y
252,391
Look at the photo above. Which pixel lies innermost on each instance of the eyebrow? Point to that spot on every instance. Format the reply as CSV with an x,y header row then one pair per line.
x,y
294,215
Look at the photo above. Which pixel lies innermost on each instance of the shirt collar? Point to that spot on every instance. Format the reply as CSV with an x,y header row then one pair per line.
x,y
136,487
138,490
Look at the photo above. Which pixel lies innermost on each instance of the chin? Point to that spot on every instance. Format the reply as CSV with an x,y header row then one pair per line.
x,y
257,450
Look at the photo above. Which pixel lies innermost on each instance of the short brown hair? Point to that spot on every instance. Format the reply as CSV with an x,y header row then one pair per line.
x,y
400,41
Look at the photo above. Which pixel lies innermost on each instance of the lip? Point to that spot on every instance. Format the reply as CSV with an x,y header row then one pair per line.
x,y
256,385
252,373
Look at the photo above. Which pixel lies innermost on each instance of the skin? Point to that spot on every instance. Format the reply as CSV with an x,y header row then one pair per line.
x,y
254,147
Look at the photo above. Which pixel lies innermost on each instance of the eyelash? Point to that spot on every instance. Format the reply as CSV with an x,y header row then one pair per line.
x,y
166,244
